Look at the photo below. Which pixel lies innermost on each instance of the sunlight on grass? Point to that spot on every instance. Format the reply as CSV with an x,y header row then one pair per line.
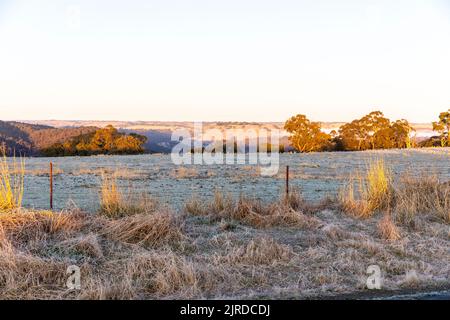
x,y
11,183
115,203
373,191
377,189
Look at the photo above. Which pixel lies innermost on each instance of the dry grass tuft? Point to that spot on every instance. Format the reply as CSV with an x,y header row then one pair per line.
x,y
258,215
150,230
118,173
29,225
184,173
85,245
171,274
374,191
294,199
253,212
195,206
156,274
11,183
378,186
114,203
407,199
419,196
388,230
260,251
166,274
221,203
101,288
411,280
24,276
42,172
334,232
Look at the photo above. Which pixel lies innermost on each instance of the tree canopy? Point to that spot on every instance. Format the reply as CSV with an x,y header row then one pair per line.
x,y
306,136
373,131
107,140
443,127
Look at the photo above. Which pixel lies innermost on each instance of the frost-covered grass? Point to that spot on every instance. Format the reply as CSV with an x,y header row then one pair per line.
x,y
245,249
318,175
219,245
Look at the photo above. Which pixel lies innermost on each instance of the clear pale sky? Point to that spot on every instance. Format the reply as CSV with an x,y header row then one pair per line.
x,y
253,60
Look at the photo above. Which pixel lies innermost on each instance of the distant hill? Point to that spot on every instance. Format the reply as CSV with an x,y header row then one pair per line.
x,y
423,129
29,139
159,132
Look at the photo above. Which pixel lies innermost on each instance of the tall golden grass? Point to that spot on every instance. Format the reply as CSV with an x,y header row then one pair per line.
x,y
11,183
377,190
410,196
373,191
111,198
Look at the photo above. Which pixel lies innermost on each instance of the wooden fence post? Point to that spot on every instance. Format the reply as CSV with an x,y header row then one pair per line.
x,y
51,186
287,182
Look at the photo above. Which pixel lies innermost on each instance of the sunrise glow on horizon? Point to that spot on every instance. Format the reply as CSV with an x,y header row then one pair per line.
x,y
223,60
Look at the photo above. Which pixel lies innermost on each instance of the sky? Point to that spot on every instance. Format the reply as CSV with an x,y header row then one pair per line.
x,y
233,60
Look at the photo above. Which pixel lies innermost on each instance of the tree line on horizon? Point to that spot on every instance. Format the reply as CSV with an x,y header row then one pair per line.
x,y
373,131
107,141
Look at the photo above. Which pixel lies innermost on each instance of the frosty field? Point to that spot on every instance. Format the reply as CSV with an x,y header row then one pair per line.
x,y
77,179
260,246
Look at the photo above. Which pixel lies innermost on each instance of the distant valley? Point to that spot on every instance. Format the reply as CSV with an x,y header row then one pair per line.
x,y
159,132
29,137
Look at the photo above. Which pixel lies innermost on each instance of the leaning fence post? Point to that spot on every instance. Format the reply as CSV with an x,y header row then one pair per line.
x,y
51,186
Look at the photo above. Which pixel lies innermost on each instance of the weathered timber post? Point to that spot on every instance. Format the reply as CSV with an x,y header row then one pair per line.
x,y
51,186
287,182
